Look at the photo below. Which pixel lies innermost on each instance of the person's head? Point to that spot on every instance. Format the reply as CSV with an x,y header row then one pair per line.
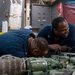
x,y
60,27
38,47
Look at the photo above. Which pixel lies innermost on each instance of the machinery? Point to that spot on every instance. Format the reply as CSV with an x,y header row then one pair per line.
x,y
55,65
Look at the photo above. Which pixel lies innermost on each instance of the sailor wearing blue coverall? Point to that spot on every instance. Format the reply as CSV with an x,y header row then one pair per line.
x,y
60,35
22,43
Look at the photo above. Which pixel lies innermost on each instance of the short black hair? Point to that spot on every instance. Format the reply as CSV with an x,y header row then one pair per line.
x,y
56,21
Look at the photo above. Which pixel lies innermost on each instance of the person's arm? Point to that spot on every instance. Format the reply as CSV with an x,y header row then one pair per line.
x,y
57,47
65,48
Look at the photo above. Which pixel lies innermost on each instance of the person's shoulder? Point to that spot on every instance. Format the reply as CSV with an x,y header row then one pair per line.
x,y
21,31
25,30
71,25
71,28
47,26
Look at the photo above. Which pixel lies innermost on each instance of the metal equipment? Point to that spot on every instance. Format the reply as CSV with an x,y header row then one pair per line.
x,y
55,65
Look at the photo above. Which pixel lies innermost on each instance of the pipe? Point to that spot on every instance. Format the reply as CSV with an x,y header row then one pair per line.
x,y
27,12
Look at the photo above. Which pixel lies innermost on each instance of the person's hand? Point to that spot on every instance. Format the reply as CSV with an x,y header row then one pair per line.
x,y
55,47
64,48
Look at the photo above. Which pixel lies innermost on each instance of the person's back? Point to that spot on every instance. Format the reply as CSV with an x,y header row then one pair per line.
x,y
15,42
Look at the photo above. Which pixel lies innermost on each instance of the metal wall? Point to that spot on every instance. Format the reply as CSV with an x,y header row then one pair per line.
x,y
4,10
16,14
40,15
54,11
9,11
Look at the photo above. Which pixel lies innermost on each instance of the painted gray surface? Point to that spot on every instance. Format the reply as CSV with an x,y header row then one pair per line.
x,y
4,7
22,20
40,15
54,11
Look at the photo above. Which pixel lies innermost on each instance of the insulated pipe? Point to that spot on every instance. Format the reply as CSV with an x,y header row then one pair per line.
x,y
11,65
27,12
